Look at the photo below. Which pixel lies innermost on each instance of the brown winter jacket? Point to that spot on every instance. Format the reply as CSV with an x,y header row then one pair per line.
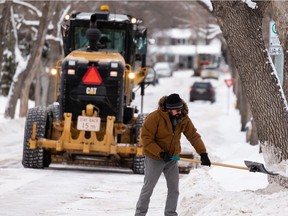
x,y
157,133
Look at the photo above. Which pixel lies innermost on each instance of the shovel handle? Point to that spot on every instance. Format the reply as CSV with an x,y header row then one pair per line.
x,y
215,164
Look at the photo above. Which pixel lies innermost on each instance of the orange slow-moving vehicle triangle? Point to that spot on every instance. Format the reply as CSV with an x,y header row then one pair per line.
x,y
92,77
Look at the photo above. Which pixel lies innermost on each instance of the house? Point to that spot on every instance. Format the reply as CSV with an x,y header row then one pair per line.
x,y
184,47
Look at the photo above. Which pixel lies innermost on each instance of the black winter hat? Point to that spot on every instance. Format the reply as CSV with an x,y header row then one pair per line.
x,y
174,101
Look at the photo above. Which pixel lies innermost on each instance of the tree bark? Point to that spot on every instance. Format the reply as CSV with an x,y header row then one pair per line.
x,y
15,88
33,66
55,51
244,108
241,27
5,22
254,135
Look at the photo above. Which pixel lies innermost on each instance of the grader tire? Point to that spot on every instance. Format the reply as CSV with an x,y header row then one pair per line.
x,y
138,165
140,121
36,158
138,162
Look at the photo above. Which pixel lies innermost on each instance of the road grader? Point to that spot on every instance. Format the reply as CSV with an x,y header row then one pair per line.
x,y
92,121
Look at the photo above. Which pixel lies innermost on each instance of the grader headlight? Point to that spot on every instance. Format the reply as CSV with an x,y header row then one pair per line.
x,y
66,17
133,20
53,71
131,75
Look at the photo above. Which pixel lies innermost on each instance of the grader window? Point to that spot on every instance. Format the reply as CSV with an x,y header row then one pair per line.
x,y
110,39
80,39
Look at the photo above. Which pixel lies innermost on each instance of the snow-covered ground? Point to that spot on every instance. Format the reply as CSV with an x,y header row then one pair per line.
x,y
206,191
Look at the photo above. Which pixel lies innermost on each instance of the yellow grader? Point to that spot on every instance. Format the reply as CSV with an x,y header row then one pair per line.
x,y
92,121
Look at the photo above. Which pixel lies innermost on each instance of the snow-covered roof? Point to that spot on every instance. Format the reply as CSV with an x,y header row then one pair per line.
x,y
175,33
112,17
180,33
213,48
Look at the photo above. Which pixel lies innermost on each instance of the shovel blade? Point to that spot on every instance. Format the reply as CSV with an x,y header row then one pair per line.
x,y
257,167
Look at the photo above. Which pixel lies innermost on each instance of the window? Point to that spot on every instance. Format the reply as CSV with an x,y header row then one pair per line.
x,y
110,39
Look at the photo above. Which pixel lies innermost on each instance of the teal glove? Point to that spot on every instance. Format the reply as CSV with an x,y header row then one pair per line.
x,y
175,158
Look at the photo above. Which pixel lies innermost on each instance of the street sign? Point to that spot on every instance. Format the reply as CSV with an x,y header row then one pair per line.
x,y
277,50
274,42
273,35
229,82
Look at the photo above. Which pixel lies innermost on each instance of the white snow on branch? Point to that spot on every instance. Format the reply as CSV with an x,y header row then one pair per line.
x,y
32,7
8,53
31,22
52,37
18,57
213,31
208,4
22,63
250,4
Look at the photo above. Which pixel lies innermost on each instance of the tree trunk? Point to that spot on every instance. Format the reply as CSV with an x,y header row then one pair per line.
x,y
244,108
37,92
33,66
45,82
55,51
16,85
241,27
242,103
5,22
254,134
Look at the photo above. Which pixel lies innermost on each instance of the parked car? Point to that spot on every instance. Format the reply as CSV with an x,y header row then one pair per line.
x,y
202,91
152,77
210,72
163,69
174,66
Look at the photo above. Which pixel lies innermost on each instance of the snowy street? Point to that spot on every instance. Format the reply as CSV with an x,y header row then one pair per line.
x,y
207,191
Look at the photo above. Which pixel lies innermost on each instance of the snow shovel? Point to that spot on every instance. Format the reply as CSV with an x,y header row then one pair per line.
x,y
251,166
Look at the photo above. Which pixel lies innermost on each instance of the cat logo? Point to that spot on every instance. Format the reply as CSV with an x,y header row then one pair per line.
x,y
91,91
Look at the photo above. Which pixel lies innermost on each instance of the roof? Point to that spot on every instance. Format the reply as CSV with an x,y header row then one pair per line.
x,y
176,33
111,17
213,48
